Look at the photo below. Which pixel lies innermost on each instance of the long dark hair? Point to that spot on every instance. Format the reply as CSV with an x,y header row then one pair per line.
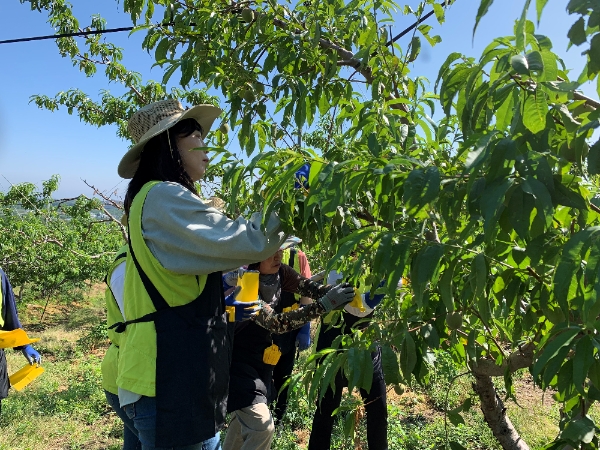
x,y
162,162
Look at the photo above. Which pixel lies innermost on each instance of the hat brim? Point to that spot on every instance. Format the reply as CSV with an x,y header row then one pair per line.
x,y
205,115
290,242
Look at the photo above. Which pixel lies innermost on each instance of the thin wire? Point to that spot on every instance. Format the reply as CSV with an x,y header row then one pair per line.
x,y
118,30
63,35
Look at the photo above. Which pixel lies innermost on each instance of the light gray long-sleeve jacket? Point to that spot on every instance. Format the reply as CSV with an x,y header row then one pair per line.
x,y
187,236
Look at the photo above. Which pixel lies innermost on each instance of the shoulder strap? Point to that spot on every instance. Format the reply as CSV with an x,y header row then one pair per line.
x,y
157,299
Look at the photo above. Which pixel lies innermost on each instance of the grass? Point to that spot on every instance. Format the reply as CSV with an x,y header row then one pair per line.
x,y
65,408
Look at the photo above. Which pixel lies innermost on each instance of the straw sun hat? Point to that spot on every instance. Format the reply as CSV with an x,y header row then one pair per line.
x,y
153,119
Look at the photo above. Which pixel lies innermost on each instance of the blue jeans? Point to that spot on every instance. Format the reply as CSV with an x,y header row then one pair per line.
x,y
130,434
143,415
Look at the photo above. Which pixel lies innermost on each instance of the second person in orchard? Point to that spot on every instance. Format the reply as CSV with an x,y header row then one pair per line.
x,y
251,426
175,348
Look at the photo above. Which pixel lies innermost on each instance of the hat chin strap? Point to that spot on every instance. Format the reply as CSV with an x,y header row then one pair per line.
x,y
170,146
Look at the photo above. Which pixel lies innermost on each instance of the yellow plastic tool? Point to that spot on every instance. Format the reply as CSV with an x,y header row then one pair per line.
x,y
271,355
15,338
357,301
25,375
248,280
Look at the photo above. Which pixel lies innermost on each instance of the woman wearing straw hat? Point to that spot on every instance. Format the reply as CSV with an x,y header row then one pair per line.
x,y
9,321
173,368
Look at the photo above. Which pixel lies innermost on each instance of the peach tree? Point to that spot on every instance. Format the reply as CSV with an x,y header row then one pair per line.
x,y
490,211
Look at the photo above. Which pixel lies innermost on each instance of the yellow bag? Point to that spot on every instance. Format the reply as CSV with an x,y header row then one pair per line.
x,y
357,301
271,355
15,338
25,375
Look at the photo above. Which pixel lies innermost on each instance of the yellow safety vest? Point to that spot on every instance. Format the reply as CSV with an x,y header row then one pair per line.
x,y
109,366
137,353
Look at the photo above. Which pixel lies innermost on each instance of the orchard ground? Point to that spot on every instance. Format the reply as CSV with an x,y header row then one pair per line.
x,y
65,408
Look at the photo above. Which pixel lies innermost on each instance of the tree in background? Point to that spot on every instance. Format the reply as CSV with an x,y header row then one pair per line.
x,y
51,247
490,211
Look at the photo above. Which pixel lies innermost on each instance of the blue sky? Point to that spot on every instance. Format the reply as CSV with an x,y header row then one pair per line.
x,y
35,144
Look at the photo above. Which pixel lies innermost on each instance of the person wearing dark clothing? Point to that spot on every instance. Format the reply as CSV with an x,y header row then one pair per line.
x,y
374,400
9,320
251,372
292,342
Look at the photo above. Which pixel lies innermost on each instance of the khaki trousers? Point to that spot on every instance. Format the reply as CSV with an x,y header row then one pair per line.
x,y
251,428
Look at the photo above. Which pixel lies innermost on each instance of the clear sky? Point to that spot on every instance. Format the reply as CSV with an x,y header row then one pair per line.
x,y
35,144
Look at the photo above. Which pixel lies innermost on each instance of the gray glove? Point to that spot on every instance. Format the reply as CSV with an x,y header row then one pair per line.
x,y
337,296
231,278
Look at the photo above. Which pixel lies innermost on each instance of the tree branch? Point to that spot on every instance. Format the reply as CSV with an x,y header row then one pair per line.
x,y
519,359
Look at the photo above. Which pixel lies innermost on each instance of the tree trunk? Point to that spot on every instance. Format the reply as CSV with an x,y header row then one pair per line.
x,y
495,414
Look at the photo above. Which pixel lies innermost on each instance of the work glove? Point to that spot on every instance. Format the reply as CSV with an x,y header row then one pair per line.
x,y
230,279
376,300
243,310
303,337
31,354
338,296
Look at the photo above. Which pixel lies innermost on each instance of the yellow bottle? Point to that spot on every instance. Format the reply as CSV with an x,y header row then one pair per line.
x,y
248,280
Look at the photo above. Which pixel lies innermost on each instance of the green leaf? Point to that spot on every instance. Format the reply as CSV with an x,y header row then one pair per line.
x,y
577,34
561,339
415,48
479,271
550,66
535,61
452,84
582,361
426,263
594,373
440,14
484,7
520,64
349,424
594,57
444,68
480,152
593,159
398,260
539,7
492,203
421,187
389,363
408,355
446,286
455,418
161,50
535,110
521,28
456,446
543,200
579,430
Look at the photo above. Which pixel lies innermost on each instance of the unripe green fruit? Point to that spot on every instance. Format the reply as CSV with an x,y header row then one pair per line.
x,y
338,219
224,128
249,96
399,389
247,15
454,320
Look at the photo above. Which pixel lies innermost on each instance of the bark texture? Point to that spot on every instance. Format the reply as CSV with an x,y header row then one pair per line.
x,y
495,414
